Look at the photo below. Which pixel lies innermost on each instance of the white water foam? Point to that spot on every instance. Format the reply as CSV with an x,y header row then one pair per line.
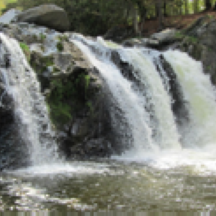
x,y
66,169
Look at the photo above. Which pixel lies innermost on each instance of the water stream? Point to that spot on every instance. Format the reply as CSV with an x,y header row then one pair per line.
x,y
30,109
169,167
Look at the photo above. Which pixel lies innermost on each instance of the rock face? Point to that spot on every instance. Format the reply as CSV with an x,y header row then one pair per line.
x,y
199,42
47,15
75,93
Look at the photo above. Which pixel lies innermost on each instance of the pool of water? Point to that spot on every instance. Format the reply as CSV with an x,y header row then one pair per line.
x,y
111,185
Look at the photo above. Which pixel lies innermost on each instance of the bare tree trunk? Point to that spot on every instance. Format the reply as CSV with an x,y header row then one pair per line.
x,y
159,5
186,7
196,4
208,4
165,9
135,20
142,14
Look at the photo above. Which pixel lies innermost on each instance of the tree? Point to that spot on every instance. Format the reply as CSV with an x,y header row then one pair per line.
x,y
159,12
208,4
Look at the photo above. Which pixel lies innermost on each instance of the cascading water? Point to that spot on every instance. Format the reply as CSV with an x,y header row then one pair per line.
x,y
200,96
144,97
164,110
163,132
30,109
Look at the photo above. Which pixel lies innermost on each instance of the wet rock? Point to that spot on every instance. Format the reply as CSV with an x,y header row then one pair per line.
x,y
166,36
13,152
179,105
48,15
146,42
9,16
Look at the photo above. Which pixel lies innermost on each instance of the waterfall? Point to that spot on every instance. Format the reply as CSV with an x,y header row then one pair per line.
x,y
146,135
146,100
199,94
30,109
159,108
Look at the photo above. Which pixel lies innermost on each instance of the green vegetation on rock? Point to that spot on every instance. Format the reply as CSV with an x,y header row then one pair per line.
x,y
60,46
68,95
26,50
42,37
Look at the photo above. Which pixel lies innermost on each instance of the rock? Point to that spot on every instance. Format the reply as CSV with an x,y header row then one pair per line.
x,y
198,40
193,29
157,40
13,151
48,15
147,42
166,36
9,16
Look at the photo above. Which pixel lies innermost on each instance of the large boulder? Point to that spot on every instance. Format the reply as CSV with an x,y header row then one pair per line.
x,y
158,40
48,15
166,36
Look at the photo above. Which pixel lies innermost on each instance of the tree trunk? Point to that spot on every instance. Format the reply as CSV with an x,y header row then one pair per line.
x,y
196,6
208,4
165,9
142,14
186,7
135,20
159,5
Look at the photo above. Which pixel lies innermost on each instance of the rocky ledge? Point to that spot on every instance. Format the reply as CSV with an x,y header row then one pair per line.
x,y
76,95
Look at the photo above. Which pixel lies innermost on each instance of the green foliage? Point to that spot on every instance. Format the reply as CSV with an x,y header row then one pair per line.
x,y
87,80
59,109
90,106
42,37
24,46
60,46
68,96
26,50
6,4
179,35
192,39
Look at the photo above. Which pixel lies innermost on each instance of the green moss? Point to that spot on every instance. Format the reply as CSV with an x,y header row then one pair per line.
x,y
59,101
25,50
90,106
179,35
42,37
192,39
63,38
48,61
68,96
60,46
60,112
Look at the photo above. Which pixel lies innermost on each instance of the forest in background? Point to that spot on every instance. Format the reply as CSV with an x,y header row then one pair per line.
x,y
95,17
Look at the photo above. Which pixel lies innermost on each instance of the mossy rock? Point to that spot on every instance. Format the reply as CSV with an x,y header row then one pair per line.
x,y
26,50
69,95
